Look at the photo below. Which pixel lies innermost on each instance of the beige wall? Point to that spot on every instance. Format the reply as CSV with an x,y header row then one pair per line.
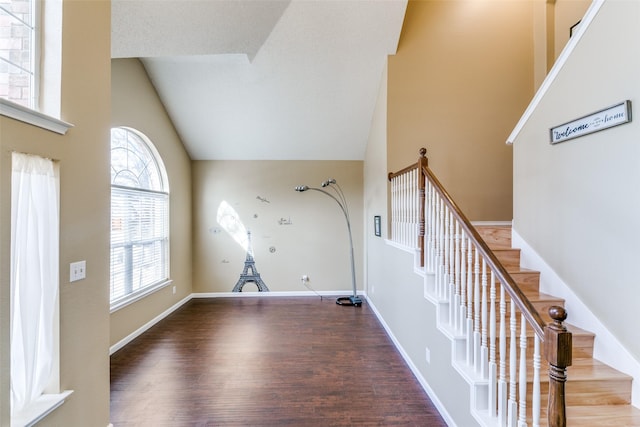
x,y
135,104
577,203
462,77
315,244
83,154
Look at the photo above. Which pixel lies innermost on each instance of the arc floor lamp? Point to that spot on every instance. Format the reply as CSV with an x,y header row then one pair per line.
x,y
353,300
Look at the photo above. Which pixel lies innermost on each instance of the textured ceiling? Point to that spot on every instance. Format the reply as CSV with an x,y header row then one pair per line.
x,y
263,79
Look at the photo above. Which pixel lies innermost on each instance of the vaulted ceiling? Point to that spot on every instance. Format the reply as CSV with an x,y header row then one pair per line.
x,y
263,79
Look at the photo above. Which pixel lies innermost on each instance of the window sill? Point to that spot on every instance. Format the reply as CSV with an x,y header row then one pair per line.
x,y
32,117
136,296
39,409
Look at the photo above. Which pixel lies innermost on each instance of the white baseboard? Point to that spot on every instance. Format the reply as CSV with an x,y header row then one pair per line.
x,y
432,395
126,340
607,348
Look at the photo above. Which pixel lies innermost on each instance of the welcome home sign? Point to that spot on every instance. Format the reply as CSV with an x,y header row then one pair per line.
x,y
600,120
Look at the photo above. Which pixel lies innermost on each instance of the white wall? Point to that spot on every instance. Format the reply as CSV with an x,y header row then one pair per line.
x,y
577,203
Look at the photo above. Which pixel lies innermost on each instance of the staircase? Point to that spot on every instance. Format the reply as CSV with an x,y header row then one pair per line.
x,y
510,342
596,394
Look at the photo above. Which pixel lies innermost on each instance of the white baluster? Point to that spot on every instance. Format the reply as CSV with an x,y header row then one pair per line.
x,y
416,195
493,380
394,209
463,282
476,311
457,299
469,302
434,226
409,225
535,402
400,204
438,246
512,412
399,211
403,208
442,250
450,266
484,354
429,242
412,209
522,411
502,383
407,207
445,250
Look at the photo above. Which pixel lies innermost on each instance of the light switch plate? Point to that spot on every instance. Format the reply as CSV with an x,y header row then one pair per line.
x,y
77,271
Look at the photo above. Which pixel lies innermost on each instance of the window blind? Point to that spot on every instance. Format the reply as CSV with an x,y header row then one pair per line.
x,y
139,240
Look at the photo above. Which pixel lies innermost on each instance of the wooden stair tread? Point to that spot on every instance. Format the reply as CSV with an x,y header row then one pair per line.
x,y
540,296
578,331
589,368
585,369
603,415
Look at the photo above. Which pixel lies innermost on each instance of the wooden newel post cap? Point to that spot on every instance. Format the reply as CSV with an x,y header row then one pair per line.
x,y
558,314
557,340
423,162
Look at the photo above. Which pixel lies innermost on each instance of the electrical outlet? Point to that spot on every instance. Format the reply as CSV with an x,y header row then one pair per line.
x,y
77,271
174,290
427,354
305,278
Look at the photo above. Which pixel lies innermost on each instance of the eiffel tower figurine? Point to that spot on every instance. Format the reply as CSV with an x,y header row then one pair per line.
x,y
250,264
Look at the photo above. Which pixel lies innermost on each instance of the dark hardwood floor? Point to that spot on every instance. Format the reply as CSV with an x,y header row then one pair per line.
x,y
266,361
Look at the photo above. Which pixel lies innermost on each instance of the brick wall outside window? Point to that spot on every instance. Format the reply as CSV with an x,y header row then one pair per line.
x,y
16,65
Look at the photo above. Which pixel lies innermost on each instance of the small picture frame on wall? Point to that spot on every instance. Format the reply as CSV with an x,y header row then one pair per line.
x,y
376,226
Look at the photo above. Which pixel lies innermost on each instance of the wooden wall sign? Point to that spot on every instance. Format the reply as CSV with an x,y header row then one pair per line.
x,y
604,119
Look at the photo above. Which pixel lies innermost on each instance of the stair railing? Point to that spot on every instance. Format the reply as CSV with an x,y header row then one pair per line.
x,y
484,309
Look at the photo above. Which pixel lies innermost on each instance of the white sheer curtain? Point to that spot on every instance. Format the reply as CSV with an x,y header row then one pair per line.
x,y
34,275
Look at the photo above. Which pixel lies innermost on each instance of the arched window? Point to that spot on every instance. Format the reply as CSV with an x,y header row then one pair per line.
x,y
139,218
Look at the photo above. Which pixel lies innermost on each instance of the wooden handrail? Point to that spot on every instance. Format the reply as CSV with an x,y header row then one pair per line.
x,y
392,175
522,302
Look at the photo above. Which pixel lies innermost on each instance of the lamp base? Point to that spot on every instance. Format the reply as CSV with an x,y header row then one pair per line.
x,y
353,300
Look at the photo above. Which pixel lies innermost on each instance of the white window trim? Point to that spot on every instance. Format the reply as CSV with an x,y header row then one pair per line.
x,y
137,296
42,407
32,117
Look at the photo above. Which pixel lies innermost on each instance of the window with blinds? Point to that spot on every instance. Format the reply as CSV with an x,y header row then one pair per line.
x,y
139,218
